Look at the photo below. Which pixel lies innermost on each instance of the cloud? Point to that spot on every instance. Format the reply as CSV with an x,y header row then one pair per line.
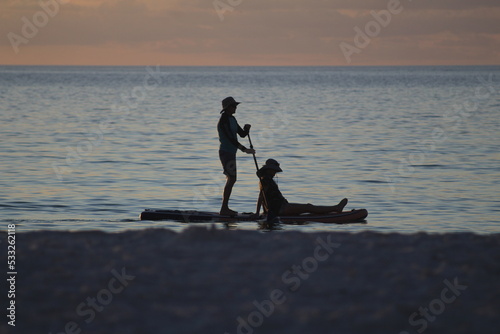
x,y
256,29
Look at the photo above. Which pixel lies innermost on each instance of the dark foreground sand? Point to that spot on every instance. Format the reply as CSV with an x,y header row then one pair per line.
x,y
217,281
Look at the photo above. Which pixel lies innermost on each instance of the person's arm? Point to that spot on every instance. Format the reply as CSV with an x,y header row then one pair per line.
x,y
227,132
245,131
259,204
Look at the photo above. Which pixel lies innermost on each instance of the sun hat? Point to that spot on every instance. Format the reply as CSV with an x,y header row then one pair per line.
x,y
272,164
227,102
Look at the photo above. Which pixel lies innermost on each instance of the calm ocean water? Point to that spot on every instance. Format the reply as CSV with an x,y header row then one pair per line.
x,y
91,147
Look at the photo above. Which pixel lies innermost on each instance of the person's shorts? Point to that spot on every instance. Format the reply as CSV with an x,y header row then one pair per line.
x,y
228,161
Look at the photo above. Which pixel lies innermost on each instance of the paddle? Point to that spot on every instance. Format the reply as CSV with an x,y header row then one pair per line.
x,y
257,167
251,146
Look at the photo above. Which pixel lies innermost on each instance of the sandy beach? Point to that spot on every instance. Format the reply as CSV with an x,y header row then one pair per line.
x,y
218,281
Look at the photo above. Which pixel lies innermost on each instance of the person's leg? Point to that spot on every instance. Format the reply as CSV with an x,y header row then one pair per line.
x,y
294,209
224,210
228,161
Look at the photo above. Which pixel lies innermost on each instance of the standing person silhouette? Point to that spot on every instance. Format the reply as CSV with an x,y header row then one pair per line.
x,y
228,128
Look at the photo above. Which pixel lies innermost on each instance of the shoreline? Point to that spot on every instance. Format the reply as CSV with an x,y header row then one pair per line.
x,y
223,281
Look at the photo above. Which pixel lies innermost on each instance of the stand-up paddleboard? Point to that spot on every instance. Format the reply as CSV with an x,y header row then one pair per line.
x,y
200,216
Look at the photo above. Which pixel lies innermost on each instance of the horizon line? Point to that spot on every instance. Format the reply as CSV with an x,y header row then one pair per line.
x,y
88,65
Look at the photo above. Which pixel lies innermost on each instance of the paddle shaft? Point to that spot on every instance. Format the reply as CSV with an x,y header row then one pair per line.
x,y
257,167
254,158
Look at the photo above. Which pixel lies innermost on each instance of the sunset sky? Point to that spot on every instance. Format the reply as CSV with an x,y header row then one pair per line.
x,y
248,32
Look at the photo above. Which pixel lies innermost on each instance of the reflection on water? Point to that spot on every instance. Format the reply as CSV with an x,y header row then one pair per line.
x,y
393,140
